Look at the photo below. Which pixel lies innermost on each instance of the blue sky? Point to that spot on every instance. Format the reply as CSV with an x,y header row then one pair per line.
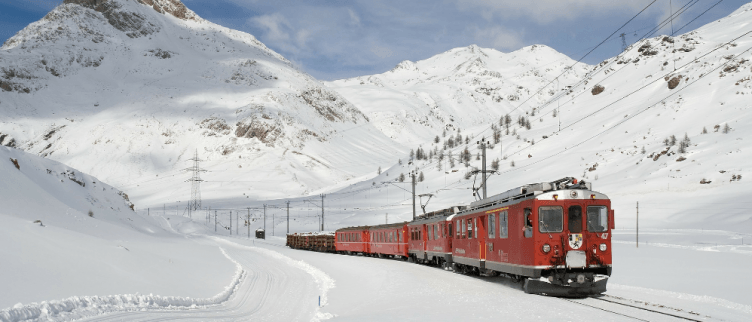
x,y
339,39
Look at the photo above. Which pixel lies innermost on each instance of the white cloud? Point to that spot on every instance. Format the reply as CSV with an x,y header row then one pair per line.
x,y
354,19
547,11
278,32
498,38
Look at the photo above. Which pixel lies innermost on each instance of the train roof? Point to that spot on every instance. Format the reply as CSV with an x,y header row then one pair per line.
x,y
530,191
438,215
388,226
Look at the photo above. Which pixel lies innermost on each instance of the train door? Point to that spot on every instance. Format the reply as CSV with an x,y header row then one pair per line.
x,y
424,236
481,235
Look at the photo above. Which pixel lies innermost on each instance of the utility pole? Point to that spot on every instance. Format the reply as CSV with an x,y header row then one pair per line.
x,y
637,235
288,217
483,145
264,218
195,180
322,212
215,221
624,42
412,174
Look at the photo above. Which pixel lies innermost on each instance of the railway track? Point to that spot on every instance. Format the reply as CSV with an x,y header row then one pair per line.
x,y
639,310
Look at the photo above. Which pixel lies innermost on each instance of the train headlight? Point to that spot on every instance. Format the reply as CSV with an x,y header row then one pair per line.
x,y
546,248
603,247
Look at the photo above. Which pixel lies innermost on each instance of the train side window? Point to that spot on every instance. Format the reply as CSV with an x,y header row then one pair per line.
x,y
574,215
430,232
475,227
550,219
503,224
459,229
527,219
491,226
597,219
449,225
470,228
435,230
464,228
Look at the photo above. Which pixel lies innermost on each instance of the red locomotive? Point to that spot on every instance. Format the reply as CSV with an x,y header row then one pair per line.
x,y
554,236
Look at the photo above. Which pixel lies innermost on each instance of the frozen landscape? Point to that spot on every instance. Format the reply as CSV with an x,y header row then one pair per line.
x,y
99,117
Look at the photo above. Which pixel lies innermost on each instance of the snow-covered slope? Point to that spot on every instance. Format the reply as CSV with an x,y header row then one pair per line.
x,y
129,90
459,89
65,233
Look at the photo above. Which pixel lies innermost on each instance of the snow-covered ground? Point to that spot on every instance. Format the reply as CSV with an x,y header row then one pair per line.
x,y
280,284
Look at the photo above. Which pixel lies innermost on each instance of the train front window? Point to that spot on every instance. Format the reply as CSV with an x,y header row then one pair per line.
x,y
575,219
597,219
550,219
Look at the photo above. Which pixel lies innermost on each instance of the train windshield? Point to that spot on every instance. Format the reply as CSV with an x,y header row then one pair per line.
x,y
551,219
597,219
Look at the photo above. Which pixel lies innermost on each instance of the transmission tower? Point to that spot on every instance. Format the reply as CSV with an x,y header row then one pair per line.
x,y
195,180
623,42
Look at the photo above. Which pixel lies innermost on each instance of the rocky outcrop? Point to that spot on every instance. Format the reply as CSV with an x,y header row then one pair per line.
x,y
133,24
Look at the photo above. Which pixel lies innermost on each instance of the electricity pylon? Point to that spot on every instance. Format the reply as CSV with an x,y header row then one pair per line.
x,y
195,203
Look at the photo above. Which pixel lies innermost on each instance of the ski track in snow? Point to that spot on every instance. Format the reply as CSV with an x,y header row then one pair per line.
x,y
260,290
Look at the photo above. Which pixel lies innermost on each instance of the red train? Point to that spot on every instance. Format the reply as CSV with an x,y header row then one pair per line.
x,y
553,236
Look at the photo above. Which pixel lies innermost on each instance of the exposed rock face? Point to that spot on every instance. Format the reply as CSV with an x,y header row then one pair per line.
x,y
132,23
173,7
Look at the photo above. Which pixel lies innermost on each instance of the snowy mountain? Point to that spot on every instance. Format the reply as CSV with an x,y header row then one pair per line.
x,y
129,90
459,89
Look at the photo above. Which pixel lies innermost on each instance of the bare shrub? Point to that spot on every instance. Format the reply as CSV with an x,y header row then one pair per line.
x,y
597,89
15,163
674,82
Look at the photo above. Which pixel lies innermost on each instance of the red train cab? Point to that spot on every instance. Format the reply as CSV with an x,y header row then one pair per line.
x,y
352,240
557,234
388,240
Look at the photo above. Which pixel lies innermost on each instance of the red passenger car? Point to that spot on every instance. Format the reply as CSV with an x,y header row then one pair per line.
x,y
430,237
352,240
388,240
557,234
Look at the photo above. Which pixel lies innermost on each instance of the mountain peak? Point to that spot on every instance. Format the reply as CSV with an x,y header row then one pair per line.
x,y
172,7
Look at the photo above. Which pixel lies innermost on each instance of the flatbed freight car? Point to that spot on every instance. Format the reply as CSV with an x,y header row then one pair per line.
x,y
320,242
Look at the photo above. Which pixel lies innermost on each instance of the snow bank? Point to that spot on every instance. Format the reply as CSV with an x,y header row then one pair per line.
x,y
82,306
